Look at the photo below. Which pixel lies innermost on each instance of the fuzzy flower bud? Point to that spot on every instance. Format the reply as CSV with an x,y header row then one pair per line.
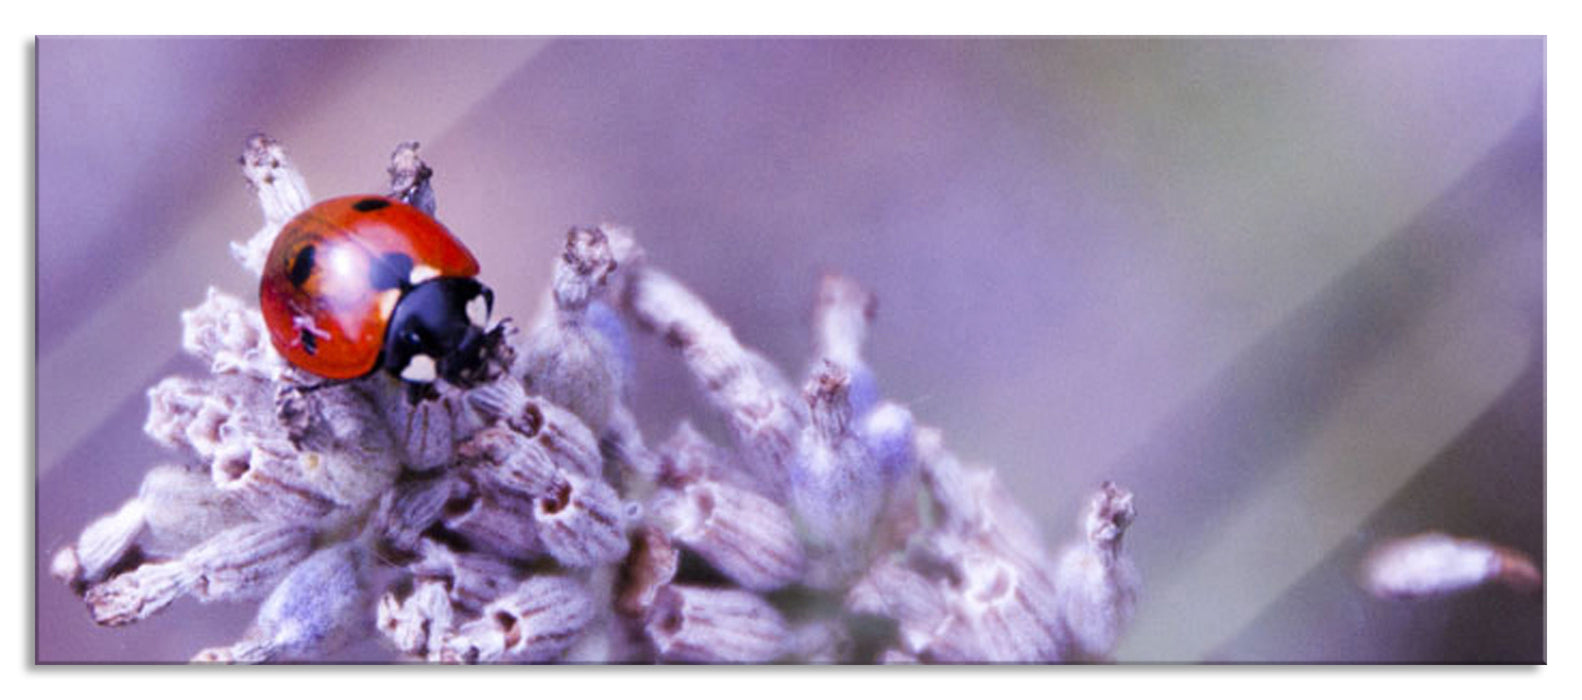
x,y
1436,564
1097,582
242,562
411,178
536,623
282,194
749,538
230,336
714,626
314,611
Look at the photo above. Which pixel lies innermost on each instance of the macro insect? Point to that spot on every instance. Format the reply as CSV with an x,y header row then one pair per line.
x,y
359,284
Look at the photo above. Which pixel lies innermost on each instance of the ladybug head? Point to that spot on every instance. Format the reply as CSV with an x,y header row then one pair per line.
x,y
439,330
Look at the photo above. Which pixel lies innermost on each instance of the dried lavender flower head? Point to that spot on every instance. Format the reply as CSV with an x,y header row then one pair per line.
x,y
523,517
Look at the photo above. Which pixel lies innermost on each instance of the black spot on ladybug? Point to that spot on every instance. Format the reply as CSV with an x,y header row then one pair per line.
x,y
309,342
370,204
302,267
391,271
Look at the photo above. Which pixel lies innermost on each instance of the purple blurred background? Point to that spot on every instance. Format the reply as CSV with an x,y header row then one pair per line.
x,y
1289,291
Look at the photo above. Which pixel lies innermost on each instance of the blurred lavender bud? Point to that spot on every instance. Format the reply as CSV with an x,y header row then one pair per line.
x,y
582,523
749,538
1097,582
837,489
418,623
650,565
317,608
757,402
821,641
242,562
472,578
1437,564
624,444
282,194
997,617
887,433
106,540
411,178
955,503
896,657
689,624
65,567
230,336
840,328
892,590
689,457
535,623
182,508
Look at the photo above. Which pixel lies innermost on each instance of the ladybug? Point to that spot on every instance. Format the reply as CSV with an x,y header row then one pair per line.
x,y
359,284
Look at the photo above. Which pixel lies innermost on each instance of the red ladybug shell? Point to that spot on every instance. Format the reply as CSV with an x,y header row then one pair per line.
x,y
326,293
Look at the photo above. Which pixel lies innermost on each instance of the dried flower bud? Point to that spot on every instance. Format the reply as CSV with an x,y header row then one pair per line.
x,y
491,520
837,489
411,178
473,578
407,511
230,335
1436,564
840,328
688,457
419,623
535,623
547,439
313,612
712,626
182,508
582,523
749,538
757,402
107,539
651,564
282,194
895,591
187,413
427,432
65,567
997,617
1097,583
244,561
139,593
887,432
241,562
579,356
269,480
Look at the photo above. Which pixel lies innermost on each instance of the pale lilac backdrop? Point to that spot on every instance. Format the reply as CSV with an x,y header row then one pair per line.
x,y
1289,291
